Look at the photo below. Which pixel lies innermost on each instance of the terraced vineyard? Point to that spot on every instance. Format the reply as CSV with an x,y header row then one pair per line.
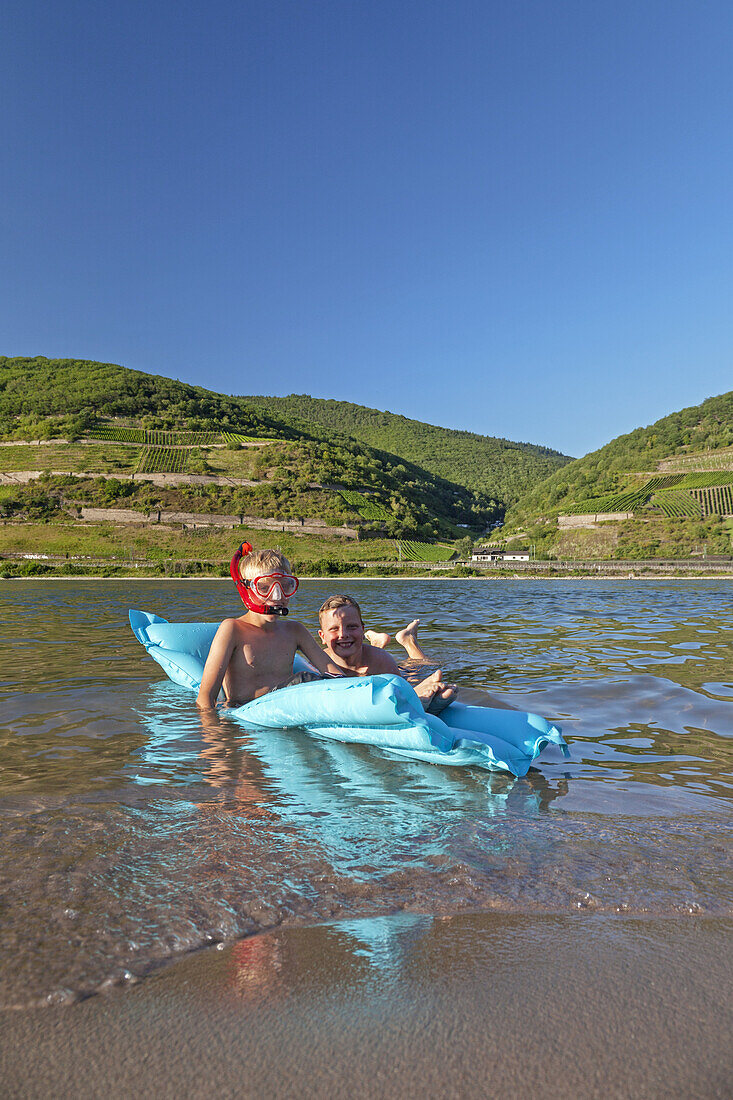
x,y
423,551
698,495
667,482
238,437
677,503
366,507
158,438
711,460
614,502
117,435
670,493
694,494
705,481
182,439
717,501
163,460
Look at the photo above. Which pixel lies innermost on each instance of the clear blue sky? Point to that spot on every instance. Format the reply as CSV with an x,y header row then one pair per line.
x,y
512,217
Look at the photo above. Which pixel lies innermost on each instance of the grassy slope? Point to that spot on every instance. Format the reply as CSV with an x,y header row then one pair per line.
x,y
695,429
102,541
41,398
625,463
75,391
498,467
294,480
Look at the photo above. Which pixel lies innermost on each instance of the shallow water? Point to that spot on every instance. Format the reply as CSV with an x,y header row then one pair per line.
x,y
131,833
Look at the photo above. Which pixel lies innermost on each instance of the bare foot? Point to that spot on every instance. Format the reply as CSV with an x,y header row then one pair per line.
x,y
409,631
435,695
381,641
407,638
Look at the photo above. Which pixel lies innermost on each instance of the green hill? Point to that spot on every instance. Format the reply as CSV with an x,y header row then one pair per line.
x,y
498,468
127,426
672,479
40,398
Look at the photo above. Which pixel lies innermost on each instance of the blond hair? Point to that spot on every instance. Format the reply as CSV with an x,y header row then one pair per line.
x,y
259,563
333,603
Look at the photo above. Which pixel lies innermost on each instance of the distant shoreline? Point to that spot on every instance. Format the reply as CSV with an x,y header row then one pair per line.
x,y
646,576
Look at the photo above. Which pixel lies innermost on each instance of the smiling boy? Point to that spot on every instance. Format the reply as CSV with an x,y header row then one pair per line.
x,y
342,633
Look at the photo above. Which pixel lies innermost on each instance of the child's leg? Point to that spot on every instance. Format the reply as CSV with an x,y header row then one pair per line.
x,y
407,638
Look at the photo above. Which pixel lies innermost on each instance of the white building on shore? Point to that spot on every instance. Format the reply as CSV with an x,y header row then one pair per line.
x,y
491,554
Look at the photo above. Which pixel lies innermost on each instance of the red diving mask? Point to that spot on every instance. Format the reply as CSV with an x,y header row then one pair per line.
x,y
254,592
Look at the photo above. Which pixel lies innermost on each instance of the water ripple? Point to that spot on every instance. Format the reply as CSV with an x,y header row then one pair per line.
x,y
132,833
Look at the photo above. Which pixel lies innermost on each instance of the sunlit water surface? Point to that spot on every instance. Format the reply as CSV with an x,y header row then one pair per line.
x,y
131,833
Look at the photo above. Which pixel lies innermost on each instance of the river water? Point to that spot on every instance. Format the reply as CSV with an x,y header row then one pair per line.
x,y
131,834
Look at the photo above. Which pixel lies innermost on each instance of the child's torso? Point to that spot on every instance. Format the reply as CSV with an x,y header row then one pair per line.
x,y
260,661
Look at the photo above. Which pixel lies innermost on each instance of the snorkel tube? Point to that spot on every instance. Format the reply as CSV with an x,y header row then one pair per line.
x,y
243,587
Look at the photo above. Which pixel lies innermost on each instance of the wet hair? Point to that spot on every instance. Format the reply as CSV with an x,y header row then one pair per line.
x,y
333,603
258,563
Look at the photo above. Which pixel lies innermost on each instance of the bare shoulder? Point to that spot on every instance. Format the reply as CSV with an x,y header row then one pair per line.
x,y
228,627
378,660
231,632
298,629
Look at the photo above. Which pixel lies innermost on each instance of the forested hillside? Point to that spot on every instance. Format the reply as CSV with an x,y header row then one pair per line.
x,y
665,491
701,428
497,467
96,455
42,397
127,426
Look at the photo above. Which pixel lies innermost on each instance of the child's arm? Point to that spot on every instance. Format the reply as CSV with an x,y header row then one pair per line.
x,y
310,648
216,665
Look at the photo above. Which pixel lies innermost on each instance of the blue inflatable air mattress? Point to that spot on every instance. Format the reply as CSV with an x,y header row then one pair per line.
x,y
383,711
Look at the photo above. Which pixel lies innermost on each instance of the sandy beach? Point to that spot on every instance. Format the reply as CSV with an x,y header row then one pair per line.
x,y
469,1006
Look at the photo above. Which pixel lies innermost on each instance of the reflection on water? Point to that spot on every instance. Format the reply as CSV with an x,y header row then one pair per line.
x,y
355,803
134,830
264,967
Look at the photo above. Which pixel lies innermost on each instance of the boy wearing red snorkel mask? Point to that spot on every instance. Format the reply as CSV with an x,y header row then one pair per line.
x,y
253,654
